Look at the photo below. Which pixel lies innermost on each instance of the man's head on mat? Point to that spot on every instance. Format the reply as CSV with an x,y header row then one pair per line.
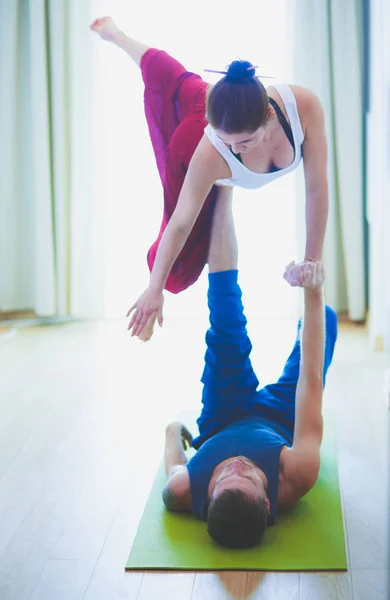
x,y
237,108
238,508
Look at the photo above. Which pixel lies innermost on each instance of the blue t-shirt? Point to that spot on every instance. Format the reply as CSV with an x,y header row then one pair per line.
x,y
255,439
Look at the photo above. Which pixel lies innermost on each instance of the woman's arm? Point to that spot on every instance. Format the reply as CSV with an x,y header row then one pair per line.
x,y
314,150
196,187
202,172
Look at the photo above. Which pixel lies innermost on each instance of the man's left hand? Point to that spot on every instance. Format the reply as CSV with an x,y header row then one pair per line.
x,y
180,430
308,274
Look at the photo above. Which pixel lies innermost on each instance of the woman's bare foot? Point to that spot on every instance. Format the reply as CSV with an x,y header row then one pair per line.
x,y
147,331
106,28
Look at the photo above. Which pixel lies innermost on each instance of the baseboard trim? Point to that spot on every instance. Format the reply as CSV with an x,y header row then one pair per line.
x,y
379,343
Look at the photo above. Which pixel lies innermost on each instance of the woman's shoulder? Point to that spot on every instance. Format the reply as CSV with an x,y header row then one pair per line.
x,y
210,160
308,105
304,96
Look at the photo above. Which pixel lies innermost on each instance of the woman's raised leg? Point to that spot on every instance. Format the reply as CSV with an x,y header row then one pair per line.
x,y
108,31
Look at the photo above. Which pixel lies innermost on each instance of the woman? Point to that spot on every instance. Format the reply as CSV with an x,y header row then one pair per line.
x,y
208,139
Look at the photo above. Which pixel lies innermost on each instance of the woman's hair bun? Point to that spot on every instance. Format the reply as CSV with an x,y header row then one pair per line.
x,y
240,71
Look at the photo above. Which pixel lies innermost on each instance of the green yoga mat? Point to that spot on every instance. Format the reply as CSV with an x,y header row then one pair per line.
x,y
310,536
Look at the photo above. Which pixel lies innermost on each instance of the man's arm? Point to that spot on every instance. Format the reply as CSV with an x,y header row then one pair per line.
x,y
177,492
177,438
303,459
308,408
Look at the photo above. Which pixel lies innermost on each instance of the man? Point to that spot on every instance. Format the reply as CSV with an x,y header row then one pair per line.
x,y
257,451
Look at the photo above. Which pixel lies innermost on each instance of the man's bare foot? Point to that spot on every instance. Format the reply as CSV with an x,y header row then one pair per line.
x,y
106,28
147,331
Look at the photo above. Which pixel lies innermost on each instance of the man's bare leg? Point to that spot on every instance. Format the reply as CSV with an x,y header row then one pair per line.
x,y
223,251
108,31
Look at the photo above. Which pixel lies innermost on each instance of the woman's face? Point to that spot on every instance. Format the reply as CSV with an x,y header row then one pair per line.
x,y
243,143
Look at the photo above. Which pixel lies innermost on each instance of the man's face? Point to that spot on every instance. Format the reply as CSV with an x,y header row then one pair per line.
x,y
239,473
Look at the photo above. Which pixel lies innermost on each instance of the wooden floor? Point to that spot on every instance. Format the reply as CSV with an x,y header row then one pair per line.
x,y
83,409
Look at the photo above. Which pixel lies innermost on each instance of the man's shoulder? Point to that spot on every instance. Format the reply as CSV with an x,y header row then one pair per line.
x,y
177,491
298,473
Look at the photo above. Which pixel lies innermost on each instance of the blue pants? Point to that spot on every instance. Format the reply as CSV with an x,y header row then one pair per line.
x,y
230,384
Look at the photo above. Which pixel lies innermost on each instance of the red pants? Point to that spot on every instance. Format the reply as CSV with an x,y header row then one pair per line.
x,y
175,112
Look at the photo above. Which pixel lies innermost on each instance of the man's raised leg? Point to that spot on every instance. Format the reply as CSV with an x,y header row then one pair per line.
x,y
223,251
228,377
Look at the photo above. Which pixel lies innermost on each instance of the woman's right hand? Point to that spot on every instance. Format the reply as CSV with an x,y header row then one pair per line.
x,y
308,274
106,28
150,302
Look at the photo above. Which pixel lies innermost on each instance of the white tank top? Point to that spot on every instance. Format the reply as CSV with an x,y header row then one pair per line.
x,y
241,175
